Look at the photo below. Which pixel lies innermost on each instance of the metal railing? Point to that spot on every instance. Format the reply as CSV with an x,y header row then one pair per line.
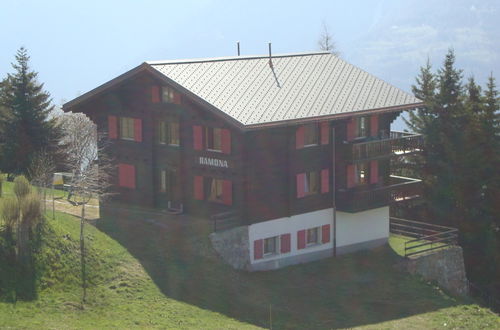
x,y
426,237
395,143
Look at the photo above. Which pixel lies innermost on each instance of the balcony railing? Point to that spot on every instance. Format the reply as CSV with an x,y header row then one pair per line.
x,y
396,143
369,197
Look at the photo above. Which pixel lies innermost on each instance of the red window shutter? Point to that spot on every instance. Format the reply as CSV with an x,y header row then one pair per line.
x,y
112,127
351,129
301,178
258,249
299,137
285,243
155,94
374,171
226,141
198,187
350,176
177,98
227,192
325,132
126,176
138,130
197,137
301,239
325,181
325,233
374,125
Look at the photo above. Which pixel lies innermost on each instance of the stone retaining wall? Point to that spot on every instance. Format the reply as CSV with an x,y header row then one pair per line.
x,y
232,246
445,266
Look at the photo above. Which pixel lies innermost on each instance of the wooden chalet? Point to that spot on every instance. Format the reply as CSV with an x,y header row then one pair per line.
x,y
289,154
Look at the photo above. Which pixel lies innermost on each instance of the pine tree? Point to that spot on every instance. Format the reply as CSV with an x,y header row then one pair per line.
x,y
28,128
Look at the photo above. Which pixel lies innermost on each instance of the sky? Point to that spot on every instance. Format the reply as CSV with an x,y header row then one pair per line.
x,y
77,45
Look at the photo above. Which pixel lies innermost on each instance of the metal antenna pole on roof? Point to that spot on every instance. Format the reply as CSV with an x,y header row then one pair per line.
x,y
238,45
270,57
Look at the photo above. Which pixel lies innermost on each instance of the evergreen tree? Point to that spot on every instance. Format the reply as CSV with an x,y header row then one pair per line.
x,y
459,166
28,128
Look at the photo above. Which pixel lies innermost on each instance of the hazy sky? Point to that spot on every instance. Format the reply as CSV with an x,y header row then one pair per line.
x,y
77,45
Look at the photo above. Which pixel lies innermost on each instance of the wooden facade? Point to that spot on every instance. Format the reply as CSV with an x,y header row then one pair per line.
x,y
259,170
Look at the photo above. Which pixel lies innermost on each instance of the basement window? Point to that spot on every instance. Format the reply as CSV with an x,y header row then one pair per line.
x,y
271,245
312,236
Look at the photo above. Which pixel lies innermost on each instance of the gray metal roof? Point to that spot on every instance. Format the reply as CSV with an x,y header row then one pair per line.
x,y
298,86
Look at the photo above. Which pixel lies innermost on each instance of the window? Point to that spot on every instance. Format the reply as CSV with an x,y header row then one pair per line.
x,y
271,245
311,184
126,128
215,190
361,173
213,138
311,135
312,236
363,128
168,132
167,94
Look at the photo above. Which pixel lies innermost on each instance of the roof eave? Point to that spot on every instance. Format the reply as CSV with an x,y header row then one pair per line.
x,y
337,116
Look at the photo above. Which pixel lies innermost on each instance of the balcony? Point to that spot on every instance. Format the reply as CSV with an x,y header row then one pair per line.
x,y
369,197
397,143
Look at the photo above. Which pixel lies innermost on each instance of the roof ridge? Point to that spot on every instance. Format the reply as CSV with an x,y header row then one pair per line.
x,y
231,58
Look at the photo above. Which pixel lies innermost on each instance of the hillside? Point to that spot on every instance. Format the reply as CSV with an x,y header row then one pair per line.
x,y
146,271
121,294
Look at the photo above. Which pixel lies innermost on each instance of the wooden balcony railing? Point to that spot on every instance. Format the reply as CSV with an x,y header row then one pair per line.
x,y
370,197
395,143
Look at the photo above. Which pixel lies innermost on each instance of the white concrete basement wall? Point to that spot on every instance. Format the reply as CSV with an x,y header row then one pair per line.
x,y
291,225
352,228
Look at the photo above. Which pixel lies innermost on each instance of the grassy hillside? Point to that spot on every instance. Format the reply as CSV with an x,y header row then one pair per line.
x,y
361,289
151,271
121,293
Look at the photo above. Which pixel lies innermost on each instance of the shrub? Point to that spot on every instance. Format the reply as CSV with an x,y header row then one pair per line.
x,y
10,212
1,182
31,210
22,187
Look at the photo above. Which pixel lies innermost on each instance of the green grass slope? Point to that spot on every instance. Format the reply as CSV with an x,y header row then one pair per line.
x,y
121,294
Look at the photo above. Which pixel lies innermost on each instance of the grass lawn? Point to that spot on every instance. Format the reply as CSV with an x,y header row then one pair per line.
x,y
121,293
397,243
146,271
361,289
60,202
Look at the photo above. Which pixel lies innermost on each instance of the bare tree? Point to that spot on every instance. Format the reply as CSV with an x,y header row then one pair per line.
x,y
91,169
326,42
41,171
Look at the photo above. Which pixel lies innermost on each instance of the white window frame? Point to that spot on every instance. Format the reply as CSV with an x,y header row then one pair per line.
x,y
318,237
276,246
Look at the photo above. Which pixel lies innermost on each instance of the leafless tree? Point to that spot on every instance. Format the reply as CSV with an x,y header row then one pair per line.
x,y
41,171
326,42
92,169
